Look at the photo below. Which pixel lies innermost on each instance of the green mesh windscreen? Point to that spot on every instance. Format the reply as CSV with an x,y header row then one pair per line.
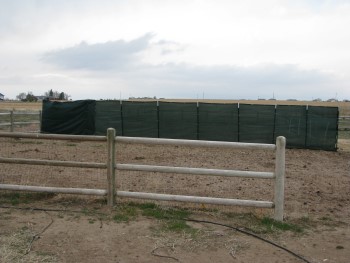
x,y
256,123
140,119
218,122
108,115
178,120
322,128
313,128
291,123
74,117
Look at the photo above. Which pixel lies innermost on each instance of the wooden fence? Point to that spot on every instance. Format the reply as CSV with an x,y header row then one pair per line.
x,y
112,167
13,123
344,123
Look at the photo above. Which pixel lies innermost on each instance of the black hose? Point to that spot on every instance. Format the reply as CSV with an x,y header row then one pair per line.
x,y
250,234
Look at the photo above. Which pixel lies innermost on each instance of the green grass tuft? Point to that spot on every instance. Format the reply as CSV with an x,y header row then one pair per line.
x,y
178,226
171,219
161,213
272,224
125,213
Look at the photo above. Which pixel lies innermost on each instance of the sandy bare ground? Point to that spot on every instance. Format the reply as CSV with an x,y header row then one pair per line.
x,y
317,201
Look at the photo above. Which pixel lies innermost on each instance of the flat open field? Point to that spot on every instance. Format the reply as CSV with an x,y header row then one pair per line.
x,y
19,106
68,228
317,207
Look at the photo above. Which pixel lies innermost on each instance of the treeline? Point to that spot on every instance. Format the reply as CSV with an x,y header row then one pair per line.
x,y
51,95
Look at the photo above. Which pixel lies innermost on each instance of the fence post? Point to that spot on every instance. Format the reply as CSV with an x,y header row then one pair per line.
x,y
111,167
11,120
40,119
279,173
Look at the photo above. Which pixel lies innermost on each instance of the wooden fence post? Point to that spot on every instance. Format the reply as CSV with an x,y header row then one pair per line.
x,y
279,173
111,167
40,119
12,121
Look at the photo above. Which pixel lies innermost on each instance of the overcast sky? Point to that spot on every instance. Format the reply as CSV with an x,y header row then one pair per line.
x,y
219,49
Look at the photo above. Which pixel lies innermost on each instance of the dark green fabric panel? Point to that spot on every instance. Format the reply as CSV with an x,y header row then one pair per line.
x,y
291,123
140,119
322,128
75,117
108,115
178,120
256,123
315,128
218,122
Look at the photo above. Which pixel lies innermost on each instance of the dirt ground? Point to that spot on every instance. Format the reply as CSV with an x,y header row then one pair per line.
x,y
317,207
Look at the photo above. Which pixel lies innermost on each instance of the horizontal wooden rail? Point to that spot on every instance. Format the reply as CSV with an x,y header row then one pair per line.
x,y
21,113
196,199
82,191
26,122
19,123
53,163
52,136
26,113
197,171
178,142
5,124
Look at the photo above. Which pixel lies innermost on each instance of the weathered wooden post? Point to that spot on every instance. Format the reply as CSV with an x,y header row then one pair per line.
x,y
40,120
12,121
111,167
279,180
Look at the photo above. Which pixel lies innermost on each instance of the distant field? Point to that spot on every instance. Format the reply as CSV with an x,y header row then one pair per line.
x,y
19,106
344,107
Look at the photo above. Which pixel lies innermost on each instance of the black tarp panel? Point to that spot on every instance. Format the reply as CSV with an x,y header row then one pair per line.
x,y
108,115
74,117
256,123
218,122
291,123
322,128
140,119
178,120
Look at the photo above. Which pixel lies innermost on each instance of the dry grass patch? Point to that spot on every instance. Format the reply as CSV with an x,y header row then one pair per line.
x,y
15,248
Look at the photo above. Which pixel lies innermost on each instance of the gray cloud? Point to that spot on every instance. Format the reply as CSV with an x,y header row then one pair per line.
x,y
231,82
185,80
102,56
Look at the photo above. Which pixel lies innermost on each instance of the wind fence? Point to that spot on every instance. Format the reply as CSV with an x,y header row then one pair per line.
x,y
310,127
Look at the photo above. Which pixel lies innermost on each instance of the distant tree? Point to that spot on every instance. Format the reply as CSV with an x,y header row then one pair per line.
x,y
22,96
61,96
26,97
30,97
54,94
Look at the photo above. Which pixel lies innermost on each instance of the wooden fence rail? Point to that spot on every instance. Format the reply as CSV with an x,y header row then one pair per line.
x,y
14,123
112,167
